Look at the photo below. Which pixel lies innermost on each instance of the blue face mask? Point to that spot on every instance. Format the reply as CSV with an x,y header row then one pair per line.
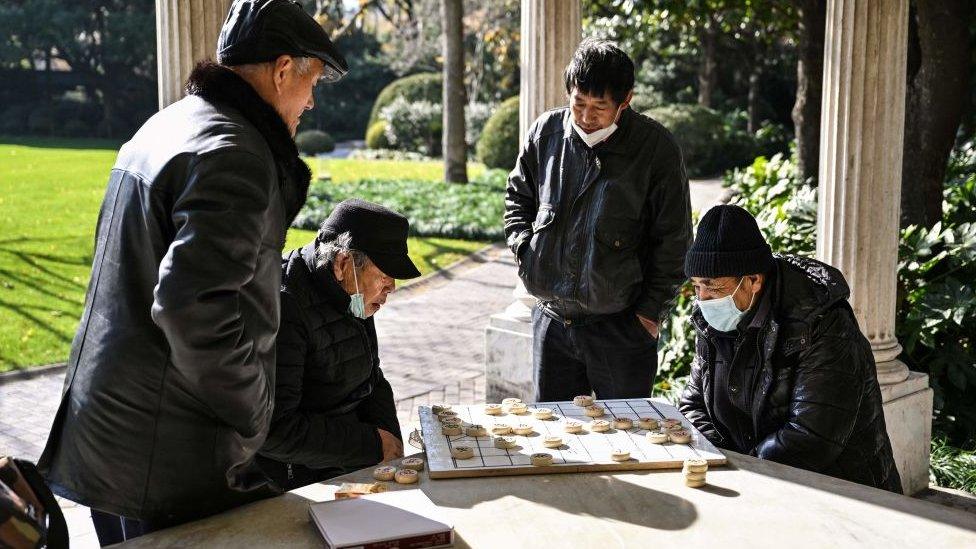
x,y
722,314
357,306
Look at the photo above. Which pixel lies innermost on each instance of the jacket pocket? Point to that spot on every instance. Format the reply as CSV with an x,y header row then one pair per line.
x,y
535,250
616,270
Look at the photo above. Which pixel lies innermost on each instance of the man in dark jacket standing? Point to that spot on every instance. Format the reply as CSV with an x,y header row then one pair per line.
x,y
334,410
598,216
781,371
169,388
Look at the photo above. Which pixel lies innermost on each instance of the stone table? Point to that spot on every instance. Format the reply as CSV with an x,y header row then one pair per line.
x,y
749,503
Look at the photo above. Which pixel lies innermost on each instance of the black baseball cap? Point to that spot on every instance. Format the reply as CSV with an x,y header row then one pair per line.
x,y
375,230
257,31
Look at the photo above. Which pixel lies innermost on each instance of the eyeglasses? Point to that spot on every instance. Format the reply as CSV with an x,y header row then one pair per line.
x,y
330,74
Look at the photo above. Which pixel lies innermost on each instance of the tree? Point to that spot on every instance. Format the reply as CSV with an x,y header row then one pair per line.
x,y
455,148
811,25
938,91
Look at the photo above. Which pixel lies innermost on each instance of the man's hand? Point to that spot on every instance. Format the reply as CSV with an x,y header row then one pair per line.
x,y
649,325
392,447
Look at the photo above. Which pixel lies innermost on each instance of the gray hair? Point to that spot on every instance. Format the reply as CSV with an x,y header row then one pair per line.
x,y
328,250
303,65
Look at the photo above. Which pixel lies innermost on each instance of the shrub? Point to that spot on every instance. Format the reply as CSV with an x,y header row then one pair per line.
x,y
376,136
713,142
472,211
13,119
476,115
425,86
499,145
413,126
314,142
700,132
387,154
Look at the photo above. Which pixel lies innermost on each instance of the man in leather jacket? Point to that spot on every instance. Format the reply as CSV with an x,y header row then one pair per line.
x,y
598,216
781,371
170,383
334,409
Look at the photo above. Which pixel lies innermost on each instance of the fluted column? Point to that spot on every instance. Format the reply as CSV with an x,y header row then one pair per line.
x,y
860,162
551,31
186,32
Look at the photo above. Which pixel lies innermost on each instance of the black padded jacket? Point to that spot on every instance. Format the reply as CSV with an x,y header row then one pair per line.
x,y
330,393
816,402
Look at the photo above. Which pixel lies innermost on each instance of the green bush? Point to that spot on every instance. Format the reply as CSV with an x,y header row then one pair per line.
x,y
425,86
951,466
713,142
472,211
700,132
376,136
416,126
499,145
314,142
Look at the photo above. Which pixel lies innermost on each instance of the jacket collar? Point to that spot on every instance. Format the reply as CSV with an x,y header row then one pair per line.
x,y
325,287
218,84
619,142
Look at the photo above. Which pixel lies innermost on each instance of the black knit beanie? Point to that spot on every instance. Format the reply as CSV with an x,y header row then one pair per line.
x,y
728,243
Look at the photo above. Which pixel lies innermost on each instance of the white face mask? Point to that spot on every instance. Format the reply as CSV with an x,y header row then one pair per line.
x,y
722,313
357,306
592,139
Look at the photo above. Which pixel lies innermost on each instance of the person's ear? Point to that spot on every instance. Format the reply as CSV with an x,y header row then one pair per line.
x,y
627,100
756,281
339,265
282,66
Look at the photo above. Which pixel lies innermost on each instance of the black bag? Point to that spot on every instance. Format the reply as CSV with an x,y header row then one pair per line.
x,y
29,515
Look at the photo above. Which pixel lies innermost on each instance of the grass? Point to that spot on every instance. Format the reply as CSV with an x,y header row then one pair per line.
x,y
50,194
343,170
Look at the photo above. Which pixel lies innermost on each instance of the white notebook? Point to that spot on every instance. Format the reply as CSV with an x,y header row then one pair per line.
x,y
395,519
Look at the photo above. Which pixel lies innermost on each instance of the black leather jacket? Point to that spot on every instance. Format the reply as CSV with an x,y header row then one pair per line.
x,y
169,388
816,403
330,393
603,230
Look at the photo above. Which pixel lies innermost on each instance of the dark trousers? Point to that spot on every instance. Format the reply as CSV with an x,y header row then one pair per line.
x,y
116,529
614,357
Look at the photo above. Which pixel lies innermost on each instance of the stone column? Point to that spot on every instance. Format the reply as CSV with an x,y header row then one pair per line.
x,y
551,31
186,32
860,184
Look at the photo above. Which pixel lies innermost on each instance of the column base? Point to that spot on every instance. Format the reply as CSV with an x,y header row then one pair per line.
x,y
508,357
908,417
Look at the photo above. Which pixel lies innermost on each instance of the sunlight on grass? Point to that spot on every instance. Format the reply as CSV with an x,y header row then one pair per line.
x,y
344,170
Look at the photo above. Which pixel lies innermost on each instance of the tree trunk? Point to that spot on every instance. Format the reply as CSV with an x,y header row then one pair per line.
x,y
809,85
455,148
755,76
708,67
937,94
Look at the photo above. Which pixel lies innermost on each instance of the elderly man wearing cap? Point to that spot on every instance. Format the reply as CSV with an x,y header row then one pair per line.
x,y
334,410
781,371
169,389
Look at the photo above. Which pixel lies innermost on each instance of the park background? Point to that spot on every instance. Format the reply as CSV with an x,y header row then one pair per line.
x,y
737,82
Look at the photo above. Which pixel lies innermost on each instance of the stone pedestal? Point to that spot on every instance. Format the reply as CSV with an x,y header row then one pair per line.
x,y
860,184
186,32
508,356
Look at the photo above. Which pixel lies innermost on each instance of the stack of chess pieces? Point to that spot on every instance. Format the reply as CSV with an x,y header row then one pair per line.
x,y
694,471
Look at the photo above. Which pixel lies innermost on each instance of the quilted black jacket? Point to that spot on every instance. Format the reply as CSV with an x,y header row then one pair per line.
x,y
816,403
330,393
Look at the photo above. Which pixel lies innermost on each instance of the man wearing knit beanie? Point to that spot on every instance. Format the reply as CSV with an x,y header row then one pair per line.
x,y
782,371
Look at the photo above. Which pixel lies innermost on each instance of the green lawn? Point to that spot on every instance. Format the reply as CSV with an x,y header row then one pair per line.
x,y
50,193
